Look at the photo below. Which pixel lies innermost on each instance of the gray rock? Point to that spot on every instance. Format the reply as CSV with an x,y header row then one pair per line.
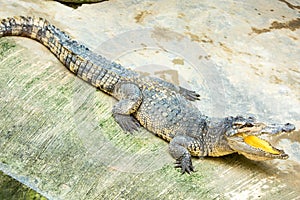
x,y
57,134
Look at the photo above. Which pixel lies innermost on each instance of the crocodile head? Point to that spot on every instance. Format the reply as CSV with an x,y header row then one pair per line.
x,y
245,136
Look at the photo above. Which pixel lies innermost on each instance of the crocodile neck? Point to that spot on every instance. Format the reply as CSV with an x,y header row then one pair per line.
x,y
214,140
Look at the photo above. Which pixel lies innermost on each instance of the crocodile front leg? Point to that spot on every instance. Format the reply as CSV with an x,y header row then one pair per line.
x,y
180,148
130,98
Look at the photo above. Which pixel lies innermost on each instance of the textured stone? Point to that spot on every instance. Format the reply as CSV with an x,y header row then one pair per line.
x,y
57,134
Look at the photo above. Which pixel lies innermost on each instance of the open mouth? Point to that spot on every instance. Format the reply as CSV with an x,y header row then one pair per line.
x,y
247,139
258,143
255,148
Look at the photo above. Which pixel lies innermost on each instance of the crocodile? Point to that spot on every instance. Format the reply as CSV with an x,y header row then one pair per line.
x,y
161,107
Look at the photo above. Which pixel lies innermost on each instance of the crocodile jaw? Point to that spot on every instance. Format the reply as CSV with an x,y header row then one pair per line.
x,y
255,148
246,141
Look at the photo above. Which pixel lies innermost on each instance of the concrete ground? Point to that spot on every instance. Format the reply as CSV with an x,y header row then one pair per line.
x,y
57,135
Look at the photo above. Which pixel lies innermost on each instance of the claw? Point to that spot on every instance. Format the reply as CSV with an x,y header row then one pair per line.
x,y
189,95
185,163
127,122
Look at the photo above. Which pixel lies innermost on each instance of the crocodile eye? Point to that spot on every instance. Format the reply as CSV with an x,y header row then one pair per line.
x,y
238,124
248,124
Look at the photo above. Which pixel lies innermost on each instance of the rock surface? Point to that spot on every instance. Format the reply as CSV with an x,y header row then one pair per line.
x,y
58,137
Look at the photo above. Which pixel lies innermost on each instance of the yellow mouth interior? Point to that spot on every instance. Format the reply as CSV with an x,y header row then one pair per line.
x,y
259,143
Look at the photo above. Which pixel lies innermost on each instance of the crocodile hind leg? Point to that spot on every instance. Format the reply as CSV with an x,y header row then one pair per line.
x,y
130,98
189,94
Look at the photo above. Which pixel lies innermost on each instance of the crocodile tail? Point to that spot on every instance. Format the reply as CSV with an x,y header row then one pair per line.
x,y
42,31
23,26
92,68
38,29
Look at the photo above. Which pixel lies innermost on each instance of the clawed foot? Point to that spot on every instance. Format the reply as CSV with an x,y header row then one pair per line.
x,y
185,163
189,95
127,122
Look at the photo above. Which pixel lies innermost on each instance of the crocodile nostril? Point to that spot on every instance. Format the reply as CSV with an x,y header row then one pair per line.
x,y
288,127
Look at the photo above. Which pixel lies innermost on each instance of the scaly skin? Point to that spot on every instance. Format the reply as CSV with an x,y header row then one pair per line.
x,y
161,107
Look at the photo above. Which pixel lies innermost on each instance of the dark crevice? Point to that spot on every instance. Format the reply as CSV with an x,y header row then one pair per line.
x,y
76,5
290,5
